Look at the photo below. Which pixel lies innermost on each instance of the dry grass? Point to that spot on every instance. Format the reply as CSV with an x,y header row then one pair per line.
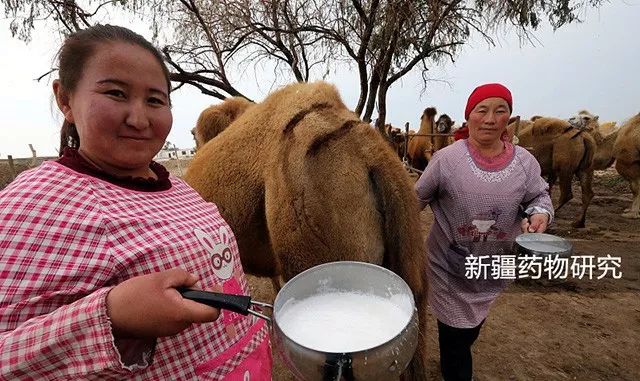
x,y
20,165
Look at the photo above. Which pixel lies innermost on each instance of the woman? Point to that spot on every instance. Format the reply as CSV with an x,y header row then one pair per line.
x,y
93,246
477,189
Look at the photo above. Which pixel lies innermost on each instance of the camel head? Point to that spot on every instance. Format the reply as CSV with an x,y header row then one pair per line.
x,y
215,119
585,120
513,130
394,135
428,114
444,124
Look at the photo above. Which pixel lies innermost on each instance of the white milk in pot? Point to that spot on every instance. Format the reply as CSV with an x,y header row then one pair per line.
x,y
341,321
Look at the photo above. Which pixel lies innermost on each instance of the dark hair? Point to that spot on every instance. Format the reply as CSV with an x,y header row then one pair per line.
x,y
76,51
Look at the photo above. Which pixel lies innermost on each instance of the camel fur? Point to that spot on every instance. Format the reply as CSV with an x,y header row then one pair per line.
x,y
302,181
607,128
214,119
420,148
562,151
444,125
627,154
603,158
396,139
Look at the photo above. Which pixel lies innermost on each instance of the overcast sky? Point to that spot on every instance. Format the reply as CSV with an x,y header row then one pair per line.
x,y
593,65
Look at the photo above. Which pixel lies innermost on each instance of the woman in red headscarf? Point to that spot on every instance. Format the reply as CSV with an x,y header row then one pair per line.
x,y
479,189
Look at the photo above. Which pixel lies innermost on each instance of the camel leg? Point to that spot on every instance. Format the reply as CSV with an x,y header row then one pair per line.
x,y
416,371
586,178
427,157
551,180
565,189
634,211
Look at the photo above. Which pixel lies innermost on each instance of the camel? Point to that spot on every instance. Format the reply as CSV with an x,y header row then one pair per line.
x,y
627,154
419,147
216,118
603,158
608,127
562,151
396,139
444,125
302,181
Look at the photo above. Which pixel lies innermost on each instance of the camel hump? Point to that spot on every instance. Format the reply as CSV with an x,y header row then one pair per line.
x,y
430,112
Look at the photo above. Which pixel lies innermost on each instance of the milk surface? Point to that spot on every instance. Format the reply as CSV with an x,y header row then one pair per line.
x,y
344,321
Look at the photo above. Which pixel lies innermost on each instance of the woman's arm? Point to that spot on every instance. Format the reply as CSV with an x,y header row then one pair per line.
x,y
73,341
427,185
536,199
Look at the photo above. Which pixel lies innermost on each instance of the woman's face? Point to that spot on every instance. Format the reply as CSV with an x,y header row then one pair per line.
x,y
120,108
488,120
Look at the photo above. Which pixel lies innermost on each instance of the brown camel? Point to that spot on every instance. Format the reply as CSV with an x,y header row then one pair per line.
x,y
607,128
420,148
513,129
562,151
303,181
627,153
396,139
603,158
216,118
444,125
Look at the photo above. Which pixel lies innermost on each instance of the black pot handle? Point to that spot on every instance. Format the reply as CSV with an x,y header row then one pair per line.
x,y
235,303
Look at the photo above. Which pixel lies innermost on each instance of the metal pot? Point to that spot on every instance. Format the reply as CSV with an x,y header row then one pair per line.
x,y
382,362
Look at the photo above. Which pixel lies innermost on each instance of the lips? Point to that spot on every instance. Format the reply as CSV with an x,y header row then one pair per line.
x,y
135,137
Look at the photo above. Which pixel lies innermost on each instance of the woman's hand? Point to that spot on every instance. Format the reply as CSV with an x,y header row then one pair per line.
x,y
149,306
536,223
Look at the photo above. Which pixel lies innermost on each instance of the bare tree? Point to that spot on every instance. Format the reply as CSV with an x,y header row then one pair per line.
x,y
382,39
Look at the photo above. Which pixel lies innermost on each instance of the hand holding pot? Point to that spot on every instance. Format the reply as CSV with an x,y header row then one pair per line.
x,y
150,306
536,223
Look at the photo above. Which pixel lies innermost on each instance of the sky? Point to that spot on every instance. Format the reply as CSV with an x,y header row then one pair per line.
x,y
592,65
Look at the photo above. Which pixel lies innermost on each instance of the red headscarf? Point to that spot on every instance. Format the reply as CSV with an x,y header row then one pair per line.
x,y
483,92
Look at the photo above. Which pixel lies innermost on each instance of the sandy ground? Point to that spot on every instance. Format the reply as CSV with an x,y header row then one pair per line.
x,y
561,330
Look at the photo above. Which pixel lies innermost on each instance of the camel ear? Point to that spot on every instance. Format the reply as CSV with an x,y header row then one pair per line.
x,y
453,122
596,117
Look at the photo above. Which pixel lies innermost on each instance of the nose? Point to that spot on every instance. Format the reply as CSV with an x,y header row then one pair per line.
x,y
490,117
137,116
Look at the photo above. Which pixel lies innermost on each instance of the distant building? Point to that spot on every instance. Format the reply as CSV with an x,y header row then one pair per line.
x,y
174,153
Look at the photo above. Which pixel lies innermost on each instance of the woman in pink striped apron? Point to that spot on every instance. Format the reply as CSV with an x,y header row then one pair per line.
x,y
94,245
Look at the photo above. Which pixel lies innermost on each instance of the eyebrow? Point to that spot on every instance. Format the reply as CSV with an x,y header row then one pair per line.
x,y
124,84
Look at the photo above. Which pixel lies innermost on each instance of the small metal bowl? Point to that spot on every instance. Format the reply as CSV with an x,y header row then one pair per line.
x,y
542,244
